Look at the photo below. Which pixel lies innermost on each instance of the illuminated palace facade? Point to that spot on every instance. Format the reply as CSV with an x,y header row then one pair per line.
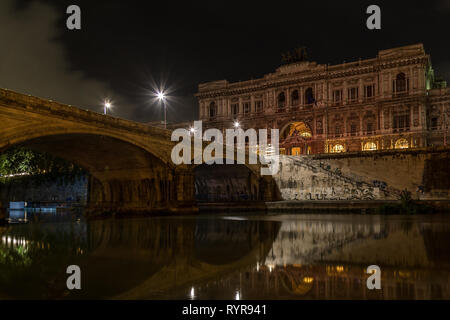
x,y
391,101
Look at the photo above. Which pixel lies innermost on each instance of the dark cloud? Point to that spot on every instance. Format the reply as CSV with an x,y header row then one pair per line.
x,y
33,61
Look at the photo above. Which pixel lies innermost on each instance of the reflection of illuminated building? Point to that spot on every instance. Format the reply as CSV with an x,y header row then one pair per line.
x,y
391,101
327,281
309,257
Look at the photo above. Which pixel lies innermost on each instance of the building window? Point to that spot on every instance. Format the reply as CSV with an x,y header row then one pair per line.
x,y
319,129
309,96
337,97
294,98
258,106
369,146
353,95
434,123
401,143
338,130
369,91
212,110
401,123
400,83
235,109
337,148
370,128
281,100
246,106
353,129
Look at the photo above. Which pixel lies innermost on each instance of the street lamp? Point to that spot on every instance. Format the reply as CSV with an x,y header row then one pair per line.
x,y
106,106
162,97
236,124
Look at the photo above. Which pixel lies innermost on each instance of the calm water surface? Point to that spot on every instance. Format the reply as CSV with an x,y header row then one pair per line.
x,y
303,256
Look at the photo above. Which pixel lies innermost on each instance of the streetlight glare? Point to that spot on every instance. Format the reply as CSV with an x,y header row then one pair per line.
x,y
106,106
236,124
161,95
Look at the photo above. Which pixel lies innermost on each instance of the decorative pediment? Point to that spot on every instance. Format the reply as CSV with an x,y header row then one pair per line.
x,y
402,52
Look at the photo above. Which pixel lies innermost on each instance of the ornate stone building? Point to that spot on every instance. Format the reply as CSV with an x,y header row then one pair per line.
x,y
391,101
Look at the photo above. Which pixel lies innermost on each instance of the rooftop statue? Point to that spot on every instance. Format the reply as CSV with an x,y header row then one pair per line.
x,y
297,55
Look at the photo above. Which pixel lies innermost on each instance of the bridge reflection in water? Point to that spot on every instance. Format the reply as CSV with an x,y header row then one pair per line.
x,y
229,257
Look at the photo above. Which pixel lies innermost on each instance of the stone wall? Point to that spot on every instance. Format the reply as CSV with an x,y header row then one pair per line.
x,y
366,175
23,189
302,178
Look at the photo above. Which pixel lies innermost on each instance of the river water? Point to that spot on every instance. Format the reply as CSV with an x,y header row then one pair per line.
x,y
239,256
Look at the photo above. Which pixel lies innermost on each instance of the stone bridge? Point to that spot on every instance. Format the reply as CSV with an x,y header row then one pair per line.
x,y
129,163
131,169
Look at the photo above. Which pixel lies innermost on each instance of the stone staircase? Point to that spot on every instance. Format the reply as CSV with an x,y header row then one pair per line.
x,y
364,186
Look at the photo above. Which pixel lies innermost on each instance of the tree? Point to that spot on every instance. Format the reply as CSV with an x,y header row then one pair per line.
x,y
40,166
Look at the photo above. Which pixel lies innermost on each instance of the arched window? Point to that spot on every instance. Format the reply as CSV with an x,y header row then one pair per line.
x,y
338,148
212,109
281,100
309,96
400,83
294,98
369,146
401,143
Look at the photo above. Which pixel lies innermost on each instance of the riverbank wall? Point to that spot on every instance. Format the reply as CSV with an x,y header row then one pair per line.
x,y
366,176
26,189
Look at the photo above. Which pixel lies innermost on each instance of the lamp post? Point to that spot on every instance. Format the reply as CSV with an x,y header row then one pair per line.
x,y
106,106
162,97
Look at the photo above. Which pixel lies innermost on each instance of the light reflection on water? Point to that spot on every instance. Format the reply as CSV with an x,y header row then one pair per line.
x,y
220,257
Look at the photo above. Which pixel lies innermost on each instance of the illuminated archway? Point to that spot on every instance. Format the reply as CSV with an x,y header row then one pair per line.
x,y
297,129
337,148
294,138
401,143
369,146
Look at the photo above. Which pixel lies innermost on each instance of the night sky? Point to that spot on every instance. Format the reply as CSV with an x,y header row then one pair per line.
x,y
126,49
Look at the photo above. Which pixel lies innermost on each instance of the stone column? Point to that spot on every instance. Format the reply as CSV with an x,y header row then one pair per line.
x,y
252,104
361,115
301,97
241,107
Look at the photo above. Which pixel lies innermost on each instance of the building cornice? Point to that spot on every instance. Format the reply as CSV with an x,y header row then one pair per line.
x,y
275,80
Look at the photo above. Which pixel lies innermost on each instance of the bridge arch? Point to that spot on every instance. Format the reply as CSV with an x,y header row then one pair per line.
x,y
129,163
24,133
123,175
